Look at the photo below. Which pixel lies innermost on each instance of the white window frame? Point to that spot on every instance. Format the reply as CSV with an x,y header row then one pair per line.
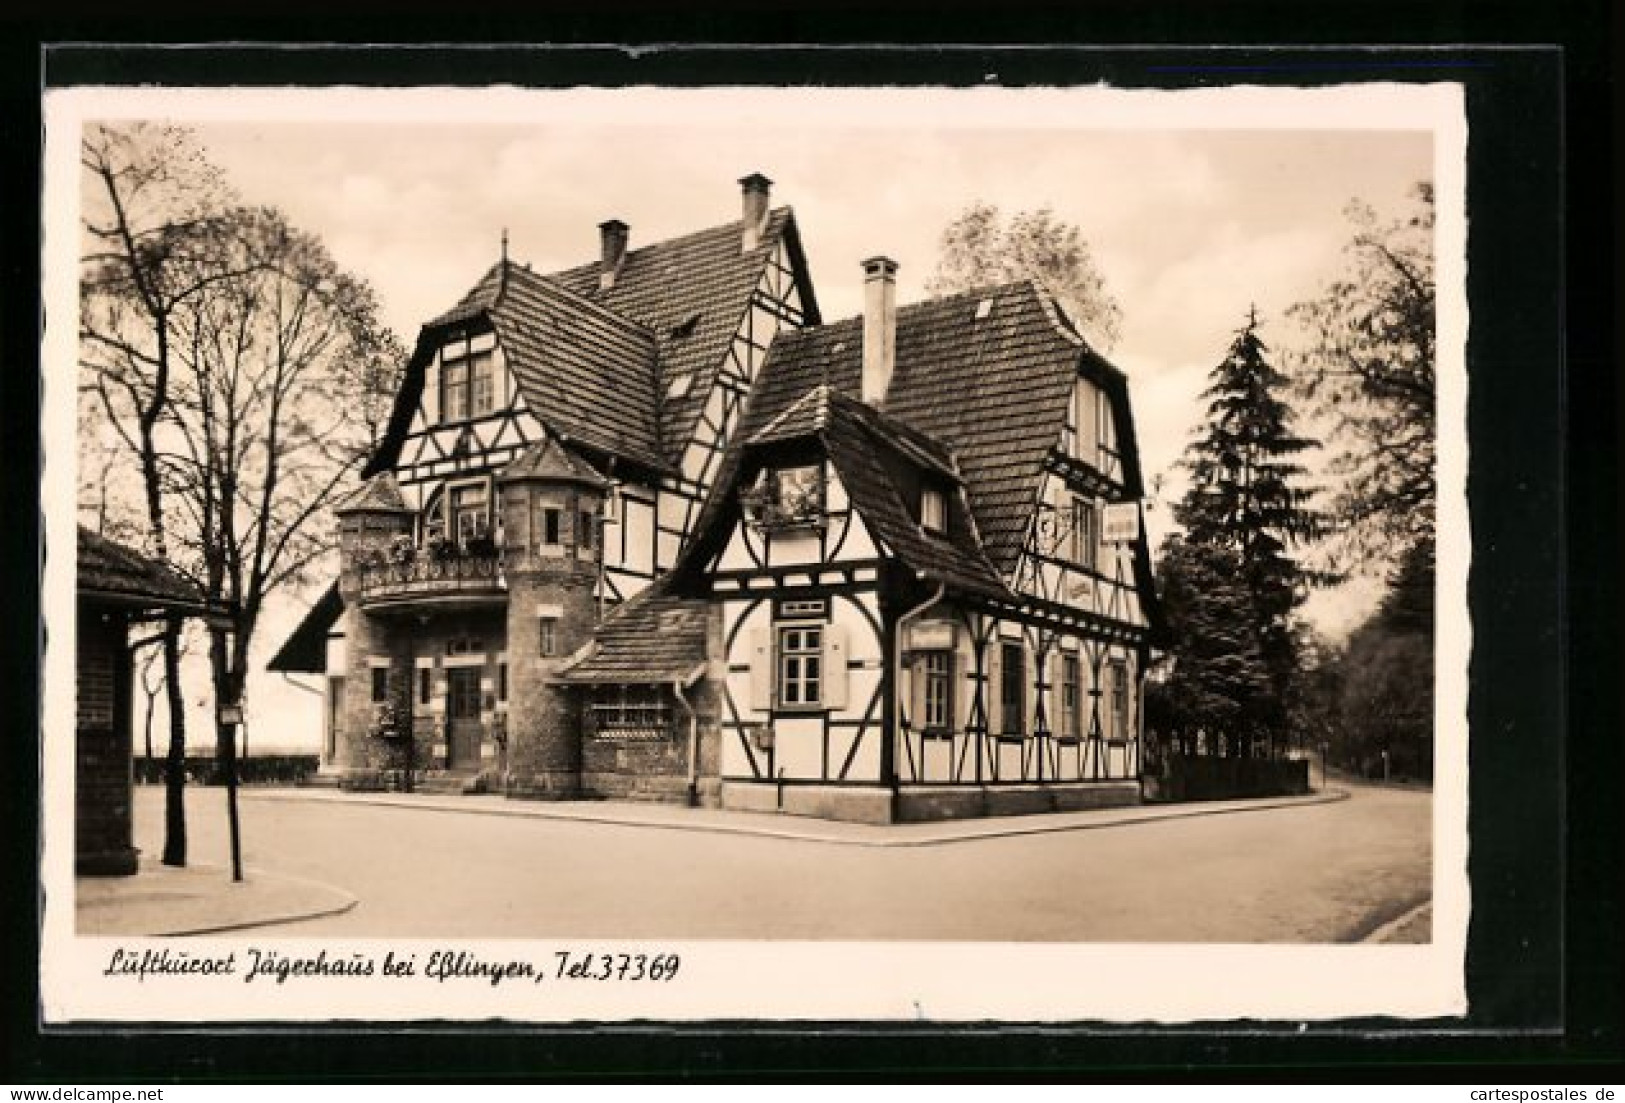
x,y
937,689
808,649
1084,532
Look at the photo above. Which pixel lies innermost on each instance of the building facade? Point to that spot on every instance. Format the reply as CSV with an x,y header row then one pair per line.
x,y
649,528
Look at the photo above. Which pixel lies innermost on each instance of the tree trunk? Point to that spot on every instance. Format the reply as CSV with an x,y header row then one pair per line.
x,y
175,766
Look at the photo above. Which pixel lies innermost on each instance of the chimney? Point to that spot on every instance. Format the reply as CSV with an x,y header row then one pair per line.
x,y
612,251
754,191
879,327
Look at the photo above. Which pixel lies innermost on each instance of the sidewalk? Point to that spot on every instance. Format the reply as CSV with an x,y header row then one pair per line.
x,y
681,818
198,899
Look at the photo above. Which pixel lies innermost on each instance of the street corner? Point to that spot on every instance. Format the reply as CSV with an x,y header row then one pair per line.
x,y
164,900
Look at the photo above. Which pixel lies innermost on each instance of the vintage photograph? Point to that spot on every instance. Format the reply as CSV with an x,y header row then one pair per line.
x,y
525,537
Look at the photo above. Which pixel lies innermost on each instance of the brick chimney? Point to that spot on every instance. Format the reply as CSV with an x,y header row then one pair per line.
x,y
879,327
754,192
612,237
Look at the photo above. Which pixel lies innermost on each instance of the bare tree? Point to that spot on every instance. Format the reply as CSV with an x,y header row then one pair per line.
x,y
244,371
151,234
277,365
980,247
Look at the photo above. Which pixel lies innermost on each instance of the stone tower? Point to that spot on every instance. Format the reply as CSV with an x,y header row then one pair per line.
x,y
371,521
552,501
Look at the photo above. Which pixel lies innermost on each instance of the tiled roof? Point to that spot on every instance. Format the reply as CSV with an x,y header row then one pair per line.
x,y
585,371
653,638
597,364
992,390
548,459
858,443
691,293
381,492
109,571
305,649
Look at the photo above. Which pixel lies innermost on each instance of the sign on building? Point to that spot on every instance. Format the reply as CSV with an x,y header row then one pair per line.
x,y
1121,523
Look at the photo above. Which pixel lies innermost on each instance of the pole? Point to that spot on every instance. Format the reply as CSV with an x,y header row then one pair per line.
x,y
230,766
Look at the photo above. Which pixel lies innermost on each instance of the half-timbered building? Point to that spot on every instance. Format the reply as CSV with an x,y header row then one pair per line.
x,y
647,528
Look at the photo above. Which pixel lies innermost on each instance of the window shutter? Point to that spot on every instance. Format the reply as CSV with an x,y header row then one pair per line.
x,y
959,696
993,688
1052,690
431,394
835,653
761,669
916,694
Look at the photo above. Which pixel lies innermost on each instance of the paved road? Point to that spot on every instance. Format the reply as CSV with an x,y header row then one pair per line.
x,y
1316,873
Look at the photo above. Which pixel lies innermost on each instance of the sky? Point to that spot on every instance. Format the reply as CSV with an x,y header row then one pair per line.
x,y
1193,215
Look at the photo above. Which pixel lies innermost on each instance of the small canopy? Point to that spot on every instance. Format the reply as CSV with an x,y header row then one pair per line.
x,y
654,639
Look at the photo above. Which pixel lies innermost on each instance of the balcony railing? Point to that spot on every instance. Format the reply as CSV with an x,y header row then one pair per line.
x,y
421,573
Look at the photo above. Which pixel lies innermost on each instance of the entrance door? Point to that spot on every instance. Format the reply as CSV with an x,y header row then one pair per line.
x,y
463,712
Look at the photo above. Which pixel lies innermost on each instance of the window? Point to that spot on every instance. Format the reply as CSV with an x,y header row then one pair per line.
x,y
631,712
934,509
502,681
803,607
788,496
470,517
1082,533
937,669
1070,696
1012,688
482,385
454,391
467,386
801,651
425,677
549,637
465,645
585,524
380,683
552,521
1117,690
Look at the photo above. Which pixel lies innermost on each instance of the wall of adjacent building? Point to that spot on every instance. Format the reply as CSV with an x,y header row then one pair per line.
x,y
102,781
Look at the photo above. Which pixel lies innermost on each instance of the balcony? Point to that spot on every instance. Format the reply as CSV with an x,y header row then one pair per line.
x,y
443,575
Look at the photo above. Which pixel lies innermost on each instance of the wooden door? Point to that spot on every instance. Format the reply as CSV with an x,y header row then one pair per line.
x,y
463,713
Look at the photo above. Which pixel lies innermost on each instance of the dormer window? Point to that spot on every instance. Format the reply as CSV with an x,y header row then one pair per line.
x,y
933,510
786,497
467,386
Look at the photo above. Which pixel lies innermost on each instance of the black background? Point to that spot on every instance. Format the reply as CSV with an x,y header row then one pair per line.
x,y
1543,966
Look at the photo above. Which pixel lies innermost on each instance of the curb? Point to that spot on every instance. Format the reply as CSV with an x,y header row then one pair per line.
x,y
1383,932
347,901
973,831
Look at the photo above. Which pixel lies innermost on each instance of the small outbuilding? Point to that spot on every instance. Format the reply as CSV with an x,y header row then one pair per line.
x,y
117,589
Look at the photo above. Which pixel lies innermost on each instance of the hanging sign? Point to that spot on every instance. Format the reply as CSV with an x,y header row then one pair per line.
x,y
1121,522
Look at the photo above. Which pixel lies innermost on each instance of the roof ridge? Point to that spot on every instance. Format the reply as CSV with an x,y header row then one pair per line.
x,y
774,229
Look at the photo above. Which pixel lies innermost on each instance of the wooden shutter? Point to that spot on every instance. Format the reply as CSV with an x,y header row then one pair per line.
x,y
993,689
1052,684
915,697
835,653
959,693
761,669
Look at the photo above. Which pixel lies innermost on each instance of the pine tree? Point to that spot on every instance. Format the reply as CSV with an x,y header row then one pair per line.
x,y
1247,502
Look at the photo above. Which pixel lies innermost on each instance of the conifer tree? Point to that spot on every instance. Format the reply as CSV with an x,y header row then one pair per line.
x,y
1247,507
